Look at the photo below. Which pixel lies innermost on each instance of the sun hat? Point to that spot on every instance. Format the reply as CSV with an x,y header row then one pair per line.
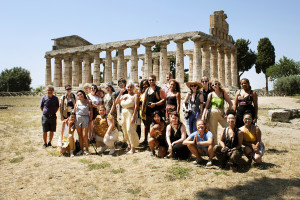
x,y
188,84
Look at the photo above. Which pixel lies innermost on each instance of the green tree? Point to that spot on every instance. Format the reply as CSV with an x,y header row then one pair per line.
x,y
15,80
246,58
156,48
265,57
289,85
284,68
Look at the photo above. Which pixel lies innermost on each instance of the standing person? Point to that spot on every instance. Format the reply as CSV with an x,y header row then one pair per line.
x,y
201,143
100,93
193,106
138,118
173,99
215,102
230,143
166,87
109,100
158,135
84,114
254,147
176,134
87,88
206,89
49,105
95,101
129,103
105,131
66,143
144,84
245,100
67,103
154,100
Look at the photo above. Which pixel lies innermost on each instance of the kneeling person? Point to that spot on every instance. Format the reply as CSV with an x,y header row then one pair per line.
x,y
201,143
105,131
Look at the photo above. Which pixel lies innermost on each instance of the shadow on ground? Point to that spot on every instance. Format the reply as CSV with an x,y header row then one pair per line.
x,y
262,188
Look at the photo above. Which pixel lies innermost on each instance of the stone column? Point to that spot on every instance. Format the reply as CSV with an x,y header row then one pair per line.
x,y
213,62
221,65
90,79
190,66
96,72
60,72
57,69
75,70
227,67
120,69
206,60
148,59
155,68
164,63
80,71
180,60
85,68
114,74
143,68
66,71
108,67
134,75
125,75
234,68
197,60
48,71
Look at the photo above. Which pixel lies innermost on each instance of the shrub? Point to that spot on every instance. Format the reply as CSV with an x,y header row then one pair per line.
x,y
288,85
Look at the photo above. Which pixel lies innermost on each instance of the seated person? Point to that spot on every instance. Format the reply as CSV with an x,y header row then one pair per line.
x,y
230,144
158,135
105,131
66,141
254,147
176,134
203,144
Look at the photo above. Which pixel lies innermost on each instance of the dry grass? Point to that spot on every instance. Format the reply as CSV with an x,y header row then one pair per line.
x,y
30,172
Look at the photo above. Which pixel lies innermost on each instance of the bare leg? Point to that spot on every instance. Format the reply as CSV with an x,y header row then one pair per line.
x,y
80,137
85,138
45,137
51,136
152,143
195,150
71,142
210,151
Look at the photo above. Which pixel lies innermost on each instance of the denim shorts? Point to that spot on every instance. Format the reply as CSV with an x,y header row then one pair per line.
x,y
82,121
204,149
49,123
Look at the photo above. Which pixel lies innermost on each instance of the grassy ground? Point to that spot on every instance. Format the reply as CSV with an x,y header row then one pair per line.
x,y
30,172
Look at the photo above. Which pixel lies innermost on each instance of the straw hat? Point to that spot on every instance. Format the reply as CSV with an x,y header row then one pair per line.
x,y
188,84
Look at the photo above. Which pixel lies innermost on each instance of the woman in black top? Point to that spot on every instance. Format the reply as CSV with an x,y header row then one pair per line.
x,y
229,147
158,135
173,99
176,134
205,90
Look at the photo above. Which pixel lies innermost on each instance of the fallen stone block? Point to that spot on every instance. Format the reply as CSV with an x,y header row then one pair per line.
x,y
279,115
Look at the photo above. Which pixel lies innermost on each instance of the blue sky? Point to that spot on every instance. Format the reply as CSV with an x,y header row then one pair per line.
x,y
27,27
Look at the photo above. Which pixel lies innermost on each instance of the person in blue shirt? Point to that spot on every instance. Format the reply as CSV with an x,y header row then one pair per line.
x,y
201,143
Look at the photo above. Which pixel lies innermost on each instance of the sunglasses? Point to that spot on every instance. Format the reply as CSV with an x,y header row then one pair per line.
x,y
193,85
69,89
205,81
214,84
248,119
151,80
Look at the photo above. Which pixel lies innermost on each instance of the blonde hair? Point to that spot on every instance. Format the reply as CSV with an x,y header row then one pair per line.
x,y
219,83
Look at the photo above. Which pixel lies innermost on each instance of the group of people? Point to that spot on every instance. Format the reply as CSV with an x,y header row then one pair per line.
x,y
101,114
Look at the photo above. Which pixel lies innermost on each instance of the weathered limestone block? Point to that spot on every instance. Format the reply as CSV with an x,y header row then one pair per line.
x,y
279,115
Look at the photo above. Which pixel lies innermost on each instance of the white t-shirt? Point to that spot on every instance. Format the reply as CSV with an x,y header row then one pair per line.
x,y
95,99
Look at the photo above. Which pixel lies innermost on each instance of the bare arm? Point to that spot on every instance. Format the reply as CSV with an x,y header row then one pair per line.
x,y
60,109
168,135
188,141
91,110
210,141
136,106
255,102
178,98
235,104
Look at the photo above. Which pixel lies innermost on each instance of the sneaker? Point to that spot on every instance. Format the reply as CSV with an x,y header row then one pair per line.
x,y
169,155
44,146
79,153
86,152
209,163
197,161
72,154
103,149
49,144
111,151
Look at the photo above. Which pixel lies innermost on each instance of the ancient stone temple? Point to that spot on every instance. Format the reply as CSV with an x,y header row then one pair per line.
x,y
213,55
